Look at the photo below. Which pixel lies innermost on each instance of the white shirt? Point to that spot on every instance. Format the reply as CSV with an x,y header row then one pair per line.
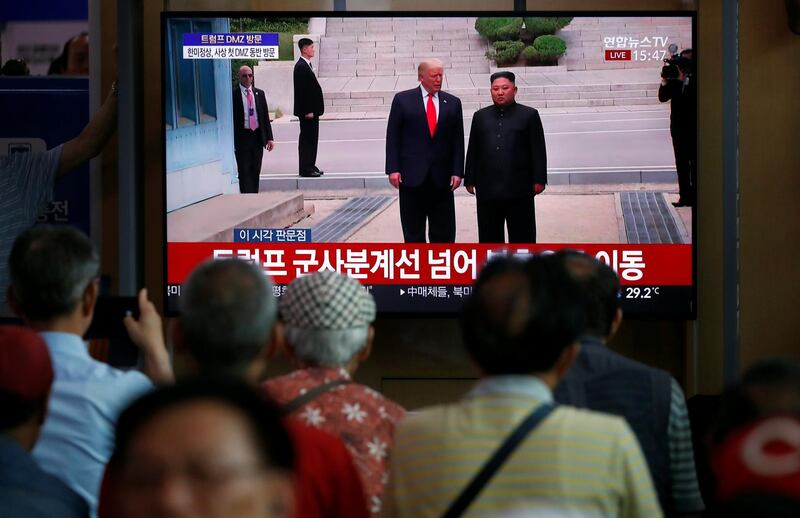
x,y
307,61
87,397
435,96
244,103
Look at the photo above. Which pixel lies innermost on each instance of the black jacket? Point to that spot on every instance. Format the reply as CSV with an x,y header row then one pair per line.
x,y
506,155
264,126
409,146
307,92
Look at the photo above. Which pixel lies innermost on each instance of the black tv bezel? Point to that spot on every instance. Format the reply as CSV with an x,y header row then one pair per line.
x,y
689,315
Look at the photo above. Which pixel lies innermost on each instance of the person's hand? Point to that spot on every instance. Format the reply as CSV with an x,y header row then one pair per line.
x,y
471,189
270,145
455,182
147,333
309,115
538,188
395,180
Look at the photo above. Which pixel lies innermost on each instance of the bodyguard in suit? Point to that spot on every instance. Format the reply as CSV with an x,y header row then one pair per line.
x,y
252,131
506,164
308,106
425,156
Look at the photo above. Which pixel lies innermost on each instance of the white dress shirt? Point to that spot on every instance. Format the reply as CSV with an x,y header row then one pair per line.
x,y
435,96
244,103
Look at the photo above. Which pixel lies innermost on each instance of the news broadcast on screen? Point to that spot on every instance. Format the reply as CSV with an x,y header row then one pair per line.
x,y
406,150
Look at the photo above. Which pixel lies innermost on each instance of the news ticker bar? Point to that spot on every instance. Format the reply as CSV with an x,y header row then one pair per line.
x,y
421,264
413,298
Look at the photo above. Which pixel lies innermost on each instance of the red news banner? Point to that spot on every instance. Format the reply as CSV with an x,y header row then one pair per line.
x,y
371,263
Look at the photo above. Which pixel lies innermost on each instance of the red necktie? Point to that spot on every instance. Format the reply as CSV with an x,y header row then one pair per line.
x,y
431,111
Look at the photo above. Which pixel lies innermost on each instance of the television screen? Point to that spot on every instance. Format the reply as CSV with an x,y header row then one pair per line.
x,y
407,150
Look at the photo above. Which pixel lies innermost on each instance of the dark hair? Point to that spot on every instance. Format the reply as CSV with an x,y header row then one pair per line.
x,y
504,74
272,440
227,314
768,387
17,410
304,42
50,268
59,65
15,67
599,287
522,316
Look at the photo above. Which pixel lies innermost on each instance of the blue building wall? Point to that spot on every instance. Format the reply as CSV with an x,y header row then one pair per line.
x,y
196,142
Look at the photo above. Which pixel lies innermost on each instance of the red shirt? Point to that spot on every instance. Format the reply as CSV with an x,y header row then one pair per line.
x,y
327,484
360,416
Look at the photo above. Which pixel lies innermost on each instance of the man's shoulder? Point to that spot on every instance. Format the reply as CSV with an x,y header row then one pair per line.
x,y
407,94
449,97
527,110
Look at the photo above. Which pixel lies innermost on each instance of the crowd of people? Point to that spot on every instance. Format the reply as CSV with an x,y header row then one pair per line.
x,y
558,424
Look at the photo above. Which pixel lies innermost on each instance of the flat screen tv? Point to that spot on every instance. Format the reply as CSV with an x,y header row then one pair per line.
x,y
350,153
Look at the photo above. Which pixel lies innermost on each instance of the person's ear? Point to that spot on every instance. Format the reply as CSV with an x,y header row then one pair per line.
x,y
13,304
182,357
365,351
277,342
615,323
90,295
568,356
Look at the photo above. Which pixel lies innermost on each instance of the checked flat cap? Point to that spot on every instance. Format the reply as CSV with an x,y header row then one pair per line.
x,y
326,300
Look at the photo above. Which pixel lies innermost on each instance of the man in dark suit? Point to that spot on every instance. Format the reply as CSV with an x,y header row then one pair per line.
x,y
682,92
308,106
506,165
425,156
252,131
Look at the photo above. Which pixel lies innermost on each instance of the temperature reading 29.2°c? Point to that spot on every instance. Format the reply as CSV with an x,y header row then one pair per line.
x,y
636,292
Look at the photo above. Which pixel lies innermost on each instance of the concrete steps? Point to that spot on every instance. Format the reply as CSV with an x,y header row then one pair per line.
x,y
262,210
585,38
379,102
368,47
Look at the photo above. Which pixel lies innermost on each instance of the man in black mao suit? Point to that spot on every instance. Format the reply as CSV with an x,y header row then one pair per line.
x,y
506,165
252,131
425,156
308,106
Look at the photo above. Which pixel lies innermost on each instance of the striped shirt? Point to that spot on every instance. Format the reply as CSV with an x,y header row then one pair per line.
x,y
575,463
686,495
26,187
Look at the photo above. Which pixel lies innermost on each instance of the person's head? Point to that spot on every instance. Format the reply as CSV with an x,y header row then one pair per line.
x,y
430,73
228,315
503,88
54,277
245,76
307,47
327,320
524,317
26,376
202,448
599,286
74,58
769,387
15,67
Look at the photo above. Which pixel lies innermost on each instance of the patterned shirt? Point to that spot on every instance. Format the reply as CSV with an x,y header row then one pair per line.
x,y
575,463
360,416
26,187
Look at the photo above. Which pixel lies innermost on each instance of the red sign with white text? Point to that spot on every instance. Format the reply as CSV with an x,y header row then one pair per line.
x,y
371,263
618,55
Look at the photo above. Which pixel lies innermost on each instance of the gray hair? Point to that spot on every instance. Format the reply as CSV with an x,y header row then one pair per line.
x,y
228,312
327,347
51,267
